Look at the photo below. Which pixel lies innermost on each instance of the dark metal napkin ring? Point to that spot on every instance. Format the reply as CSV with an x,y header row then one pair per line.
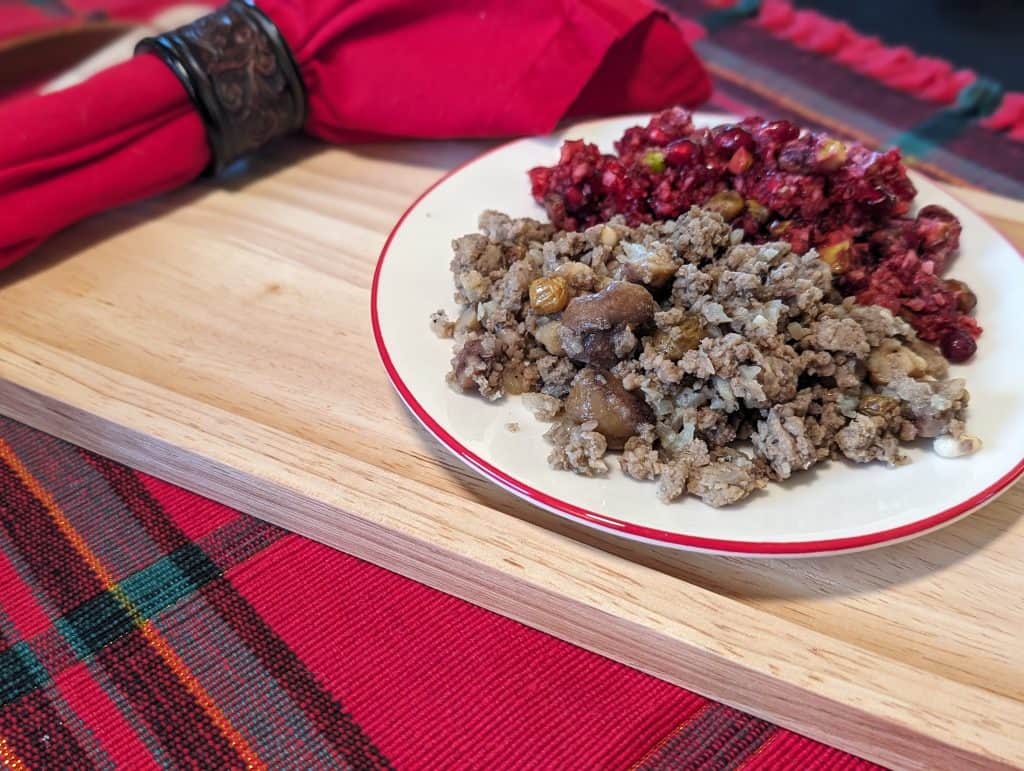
x,y
239,74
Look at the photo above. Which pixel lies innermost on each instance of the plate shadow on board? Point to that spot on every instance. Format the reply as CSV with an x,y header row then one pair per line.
x,y
745,577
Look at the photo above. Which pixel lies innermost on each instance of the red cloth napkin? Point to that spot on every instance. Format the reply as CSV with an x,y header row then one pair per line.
x,y
371,68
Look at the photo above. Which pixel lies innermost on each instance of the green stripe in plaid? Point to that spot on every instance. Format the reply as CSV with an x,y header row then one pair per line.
x,y
20,672
326,715
166,582
101,620
179,588
95,624
152,590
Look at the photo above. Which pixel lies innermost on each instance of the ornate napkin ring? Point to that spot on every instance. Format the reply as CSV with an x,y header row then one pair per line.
x,y
239,74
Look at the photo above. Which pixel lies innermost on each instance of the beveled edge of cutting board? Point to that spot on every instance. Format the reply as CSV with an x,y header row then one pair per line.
x,y
803,680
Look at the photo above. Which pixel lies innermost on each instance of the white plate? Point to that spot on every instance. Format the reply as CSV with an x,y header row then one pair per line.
x,y
834,507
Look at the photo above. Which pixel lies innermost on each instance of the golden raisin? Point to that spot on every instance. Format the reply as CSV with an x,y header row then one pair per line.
x,y
758,211
728,203
779,228
549,294
877,405
835,256
673,342
965,298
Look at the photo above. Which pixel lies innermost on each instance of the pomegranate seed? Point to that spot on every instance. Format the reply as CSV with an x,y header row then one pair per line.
x,y
779,131
958,346
657,136
731,139
574,197
682,153
540,180
581,171
569,149
612,180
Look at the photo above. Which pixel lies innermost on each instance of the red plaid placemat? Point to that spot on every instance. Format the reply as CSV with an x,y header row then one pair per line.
x,y
142,626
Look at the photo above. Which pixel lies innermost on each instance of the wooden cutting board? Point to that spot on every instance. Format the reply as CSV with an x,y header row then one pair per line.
x,y
220,338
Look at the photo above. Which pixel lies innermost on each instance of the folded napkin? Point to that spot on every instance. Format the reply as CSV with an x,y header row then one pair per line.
x,y
372,69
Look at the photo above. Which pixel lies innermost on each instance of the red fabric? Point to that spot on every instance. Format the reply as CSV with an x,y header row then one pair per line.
x,y
787,750
19,604
897,67
18,20
88,148
455,670
1010,116
179,633
372,69
199,518
103,719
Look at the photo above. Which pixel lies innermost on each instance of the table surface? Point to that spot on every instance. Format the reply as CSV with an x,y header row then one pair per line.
x,y
220,338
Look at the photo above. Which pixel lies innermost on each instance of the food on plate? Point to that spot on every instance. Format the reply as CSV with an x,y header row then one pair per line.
x,y
776,182
714,363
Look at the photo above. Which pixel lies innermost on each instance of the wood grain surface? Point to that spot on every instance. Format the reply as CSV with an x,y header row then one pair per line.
x,y
220,338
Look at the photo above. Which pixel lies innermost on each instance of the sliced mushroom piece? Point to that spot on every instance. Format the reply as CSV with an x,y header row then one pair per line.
x,y
592,323
620,302
596,349
599,396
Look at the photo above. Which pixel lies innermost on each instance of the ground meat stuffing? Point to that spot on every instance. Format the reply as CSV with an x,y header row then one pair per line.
x,y
709,364
578,448
730,477
543,406
640,459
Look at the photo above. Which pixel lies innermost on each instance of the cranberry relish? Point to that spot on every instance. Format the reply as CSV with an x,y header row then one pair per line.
x,y
776,182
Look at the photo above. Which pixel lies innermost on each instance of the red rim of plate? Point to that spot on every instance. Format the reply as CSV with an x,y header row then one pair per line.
x,y
850,543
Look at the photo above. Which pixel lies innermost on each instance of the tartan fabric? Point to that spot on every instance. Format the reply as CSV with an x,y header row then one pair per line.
x,y
142,626
757,69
